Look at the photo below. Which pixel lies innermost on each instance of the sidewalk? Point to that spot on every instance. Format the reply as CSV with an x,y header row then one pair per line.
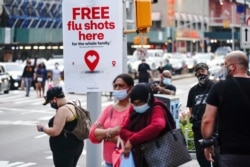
x,y
177,77
192,163
174,77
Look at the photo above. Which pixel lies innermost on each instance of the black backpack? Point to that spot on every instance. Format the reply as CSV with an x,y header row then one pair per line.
x,y
81,131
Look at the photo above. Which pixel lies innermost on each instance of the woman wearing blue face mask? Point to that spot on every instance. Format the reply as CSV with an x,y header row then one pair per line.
x,y
107,127
145,122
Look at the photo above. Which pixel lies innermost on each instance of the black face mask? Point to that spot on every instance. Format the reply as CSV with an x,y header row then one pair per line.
x,y
54,105
203,79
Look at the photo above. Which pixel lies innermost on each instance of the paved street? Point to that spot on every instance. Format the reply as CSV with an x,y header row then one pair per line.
x,y
22,146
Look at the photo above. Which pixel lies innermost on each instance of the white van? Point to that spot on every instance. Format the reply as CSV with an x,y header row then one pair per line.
x,y
153,56
147,53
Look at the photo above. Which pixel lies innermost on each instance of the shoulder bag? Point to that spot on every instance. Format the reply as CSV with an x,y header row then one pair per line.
x,y
167,150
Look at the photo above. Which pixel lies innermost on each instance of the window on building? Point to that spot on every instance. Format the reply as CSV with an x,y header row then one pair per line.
x,y
156,24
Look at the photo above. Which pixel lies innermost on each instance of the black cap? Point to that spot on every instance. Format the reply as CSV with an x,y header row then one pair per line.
x,y
53,92
201,66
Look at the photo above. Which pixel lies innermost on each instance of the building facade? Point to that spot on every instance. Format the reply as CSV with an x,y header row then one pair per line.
x,y
196,26
34,27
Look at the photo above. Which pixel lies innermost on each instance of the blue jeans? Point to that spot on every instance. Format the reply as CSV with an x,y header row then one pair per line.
x,y
108,165
28,82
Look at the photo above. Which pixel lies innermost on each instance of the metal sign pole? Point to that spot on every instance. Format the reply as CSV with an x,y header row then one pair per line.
x,y
94,151
124,51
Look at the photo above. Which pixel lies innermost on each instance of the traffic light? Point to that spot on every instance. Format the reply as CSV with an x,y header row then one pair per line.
x,y
226,23
137,40
143,15
141,40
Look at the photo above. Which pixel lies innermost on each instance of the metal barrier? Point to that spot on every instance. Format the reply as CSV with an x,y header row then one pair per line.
x,y
173,103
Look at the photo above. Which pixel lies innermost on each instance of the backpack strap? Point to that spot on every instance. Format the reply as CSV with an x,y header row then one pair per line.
x,y
168,116
75,116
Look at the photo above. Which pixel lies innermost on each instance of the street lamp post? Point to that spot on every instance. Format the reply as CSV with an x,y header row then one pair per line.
x,y
244,21
202,27
232,24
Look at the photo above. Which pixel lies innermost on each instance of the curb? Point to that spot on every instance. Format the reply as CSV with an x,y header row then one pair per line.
x,y
176,77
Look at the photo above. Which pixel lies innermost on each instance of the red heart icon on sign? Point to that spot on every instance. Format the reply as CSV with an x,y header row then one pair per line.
x,y
91,58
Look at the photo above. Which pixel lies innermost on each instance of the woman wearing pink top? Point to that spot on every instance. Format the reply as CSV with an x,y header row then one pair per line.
x,y
108,125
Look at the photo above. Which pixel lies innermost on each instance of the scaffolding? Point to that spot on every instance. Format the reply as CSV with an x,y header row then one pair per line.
x,y
34,13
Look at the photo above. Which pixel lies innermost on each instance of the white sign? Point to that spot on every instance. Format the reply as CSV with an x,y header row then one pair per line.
x,y
92,42
245,37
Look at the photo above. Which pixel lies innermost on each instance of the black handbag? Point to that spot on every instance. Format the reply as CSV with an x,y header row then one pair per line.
x,y
167,150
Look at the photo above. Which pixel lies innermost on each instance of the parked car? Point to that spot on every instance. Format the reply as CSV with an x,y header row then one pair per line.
x,y
15,71
153,57
130,61
217,61
190,63
50,65
4,80
203,58
222,51
214,71
177,64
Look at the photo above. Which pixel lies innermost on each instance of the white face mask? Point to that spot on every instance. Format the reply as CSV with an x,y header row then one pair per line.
x,y
166,81
120,94
142,108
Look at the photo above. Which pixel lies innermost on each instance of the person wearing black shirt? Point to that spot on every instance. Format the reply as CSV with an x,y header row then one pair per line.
x,y
229,103
164,86
144,72
66,147
28,75
196,103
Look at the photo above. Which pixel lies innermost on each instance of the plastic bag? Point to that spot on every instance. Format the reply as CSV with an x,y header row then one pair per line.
x,y
116,157
117,153
22,84
127,161
50,85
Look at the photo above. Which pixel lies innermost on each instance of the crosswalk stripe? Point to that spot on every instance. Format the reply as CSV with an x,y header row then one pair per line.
x,y
26,164
33,101
16,164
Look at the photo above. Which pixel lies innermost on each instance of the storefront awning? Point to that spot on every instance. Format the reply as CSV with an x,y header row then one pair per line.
x,y
201,18
206,20
184,17
196,18
190,18
222,35
187,35
177,16
187,39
